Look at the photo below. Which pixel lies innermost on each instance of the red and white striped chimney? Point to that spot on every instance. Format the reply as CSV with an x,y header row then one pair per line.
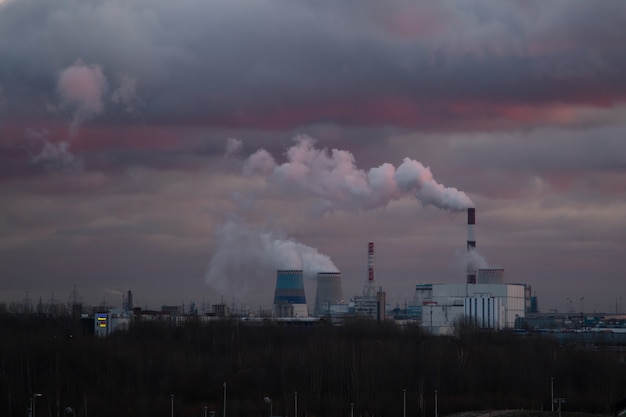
x,y
370,262
471,244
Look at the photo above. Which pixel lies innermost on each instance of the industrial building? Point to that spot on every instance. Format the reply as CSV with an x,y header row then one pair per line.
x,y
483,301
494,306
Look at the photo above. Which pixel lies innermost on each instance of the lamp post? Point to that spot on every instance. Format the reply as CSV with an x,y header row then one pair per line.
x,y
552,392
351,409
404,402
172,402
33,403
205,410
224,411
295,403
268,400
436,415
560,401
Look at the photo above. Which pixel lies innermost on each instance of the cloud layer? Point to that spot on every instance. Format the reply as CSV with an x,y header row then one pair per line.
x,y
133,133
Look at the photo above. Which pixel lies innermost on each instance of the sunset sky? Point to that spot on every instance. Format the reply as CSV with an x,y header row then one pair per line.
x,y
187,149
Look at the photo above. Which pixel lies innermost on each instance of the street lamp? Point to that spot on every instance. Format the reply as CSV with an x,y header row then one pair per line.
x,y
552,392
295,403
33,403
436,415
404,402
224,411
205,410
351,409
172,397
268,400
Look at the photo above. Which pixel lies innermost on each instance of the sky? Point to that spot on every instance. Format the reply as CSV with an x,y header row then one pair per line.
x,y
186,150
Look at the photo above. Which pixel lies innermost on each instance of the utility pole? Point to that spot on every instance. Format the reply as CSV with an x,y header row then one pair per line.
x,y
552,392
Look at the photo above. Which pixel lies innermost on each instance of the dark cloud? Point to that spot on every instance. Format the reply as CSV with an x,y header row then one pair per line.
x,y
124,127
283,63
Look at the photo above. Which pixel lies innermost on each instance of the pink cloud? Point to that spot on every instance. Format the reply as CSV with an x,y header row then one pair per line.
x,y
82,86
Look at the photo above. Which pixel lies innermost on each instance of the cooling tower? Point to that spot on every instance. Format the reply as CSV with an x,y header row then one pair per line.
x,y
471,244
328,292
289,298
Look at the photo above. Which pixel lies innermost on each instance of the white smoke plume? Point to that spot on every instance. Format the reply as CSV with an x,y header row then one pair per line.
x,y
81,88
245,254
56,156
233,147
333,177
471,260
126,94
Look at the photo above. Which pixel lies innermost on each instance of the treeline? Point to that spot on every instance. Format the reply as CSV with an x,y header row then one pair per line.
x,y
362,368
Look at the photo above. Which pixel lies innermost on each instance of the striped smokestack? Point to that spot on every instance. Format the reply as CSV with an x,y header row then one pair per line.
x,y
370,262
471,244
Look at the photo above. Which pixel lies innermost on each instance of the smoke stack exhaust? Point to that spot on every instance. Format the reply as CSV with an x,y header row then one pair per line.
x,y
471,244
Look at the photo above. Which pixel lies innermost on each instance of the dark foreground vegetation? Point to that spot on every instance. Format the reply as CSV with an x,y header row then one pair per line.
x,y
366,364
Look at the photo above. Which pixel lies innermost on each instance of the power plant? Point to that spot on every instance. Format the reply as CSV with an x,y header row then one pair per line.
x,y
484,300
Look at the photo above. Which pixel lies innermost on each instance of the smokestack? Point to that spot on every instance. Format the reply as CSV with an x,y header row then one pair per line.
x,y
370,262
471,244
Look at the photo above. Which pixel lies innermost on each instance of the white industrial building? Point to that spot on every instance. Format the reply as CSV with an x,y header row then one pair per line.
x,y
494,306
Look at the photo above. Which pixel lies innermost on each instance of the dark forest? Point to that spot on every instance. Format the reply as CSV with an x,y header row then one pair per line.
x,y
361,368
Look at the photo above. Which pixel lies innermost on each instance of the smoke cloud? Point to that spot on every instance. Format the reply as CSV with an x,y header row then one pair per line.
x,y
55,156
58,156
233,147
81,87
470,260
126,94
246,252
333,177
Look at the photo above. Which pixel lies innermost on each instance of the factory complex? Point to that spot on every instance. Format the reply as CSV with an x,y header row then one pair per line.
x,y
484,300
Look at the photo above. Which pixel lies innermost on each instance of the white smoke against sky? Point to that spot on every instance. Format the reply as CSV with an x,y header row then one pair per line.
x,y
126,94
470,260
333,177
244,252
81,88
233,147
55,156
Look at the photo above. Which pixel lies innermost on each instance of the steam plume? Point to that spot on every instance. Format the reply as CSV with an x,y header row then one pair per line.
x,y
472,259
82,87
233,147
333,177
244,251
56,156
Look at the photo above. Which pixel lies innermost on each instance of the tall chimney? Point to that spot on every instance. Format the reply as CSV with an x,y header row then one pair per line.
x,y
370,262
471,244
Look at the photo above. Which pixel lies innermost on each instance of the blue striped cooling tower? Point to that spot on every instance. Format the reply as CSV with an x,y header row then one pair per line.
x,y
289,298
